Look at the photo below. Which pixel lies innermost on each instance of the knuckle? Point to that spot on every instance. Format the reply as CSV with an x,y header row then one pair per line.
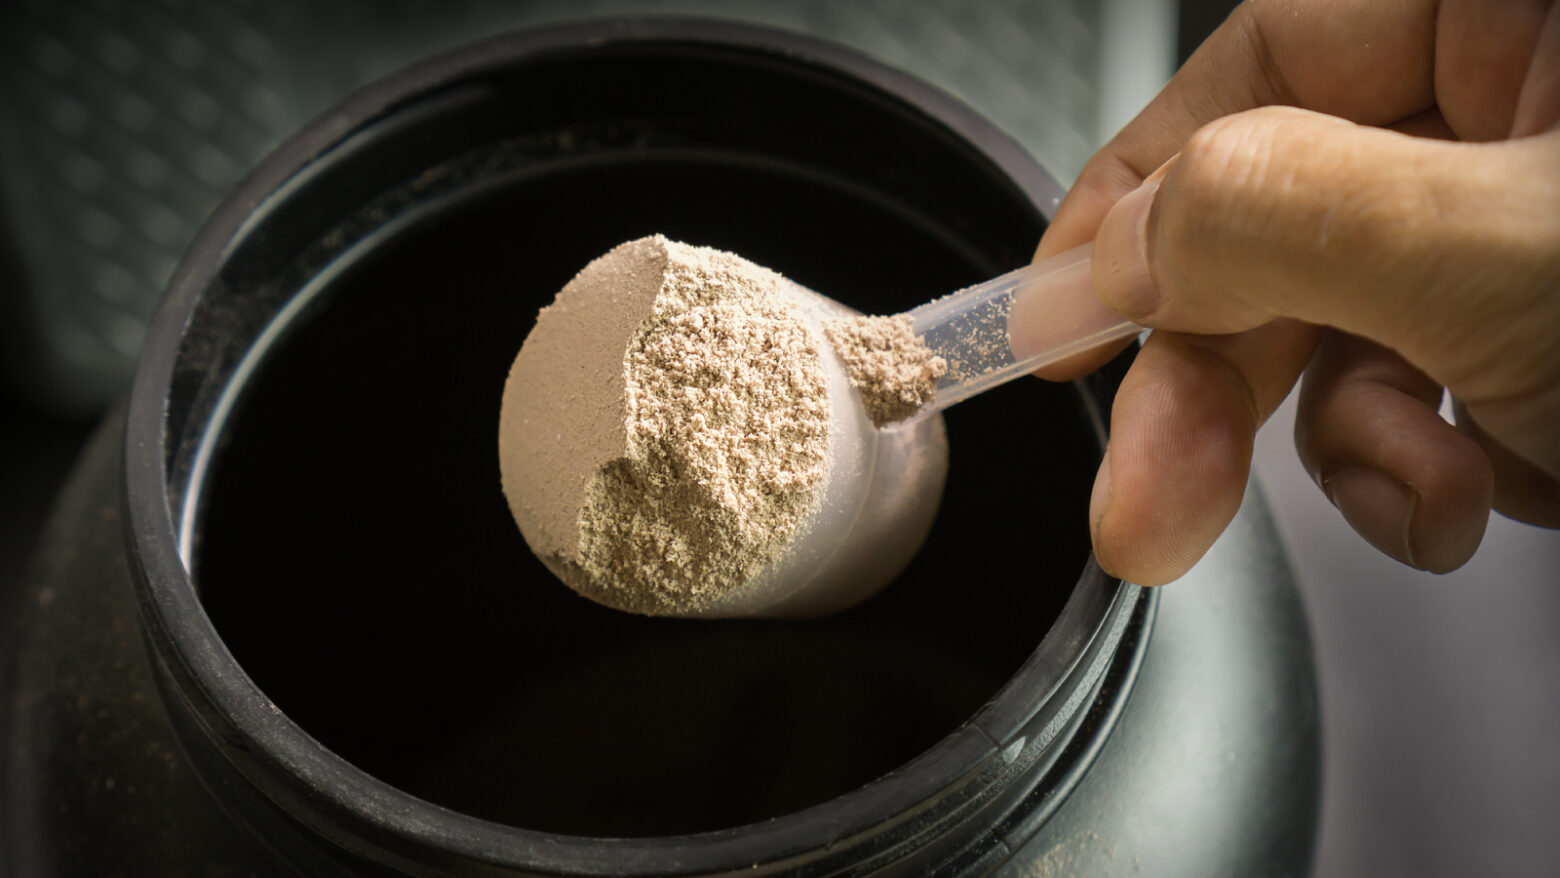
x,y
1215,189
1273,192
1218,211
1234,164
1204,172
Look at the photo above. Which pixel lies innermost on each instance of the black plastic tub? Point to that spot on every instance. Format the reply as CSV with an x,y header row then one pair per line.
x,y
357,656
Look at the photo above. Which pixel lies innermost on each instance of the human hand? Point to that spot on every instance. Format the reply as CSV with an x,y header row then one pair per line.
x,y
1398,235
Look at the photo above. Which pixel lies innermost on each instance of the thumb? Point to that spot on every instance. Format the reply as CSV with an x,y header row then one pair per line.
x,y
1435,249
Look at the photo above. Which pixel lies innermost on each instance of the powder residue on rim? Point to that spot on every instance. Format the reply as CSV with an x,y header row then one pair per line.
x,y
891,367
727,418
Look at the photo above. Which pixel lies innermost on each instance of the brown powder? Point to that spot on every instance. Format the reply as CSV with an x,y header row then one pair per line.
x,y
722,446
891,367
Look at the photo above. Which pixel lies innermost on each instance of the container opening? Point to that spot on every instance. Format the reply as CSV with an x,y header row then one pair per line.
x,y
356,555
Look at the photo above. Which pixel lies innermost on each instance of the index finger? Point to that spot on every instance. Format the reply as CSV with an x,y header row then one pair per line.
x,y
1363,60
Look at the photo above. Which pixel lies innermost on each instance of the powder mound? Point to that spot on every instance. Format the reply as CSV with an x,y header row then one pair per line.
x,y
891,367
723,446
728,419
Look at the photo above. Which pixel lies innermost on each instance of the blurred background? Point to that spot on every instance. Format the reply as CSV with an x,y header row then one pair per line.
x,y
124,122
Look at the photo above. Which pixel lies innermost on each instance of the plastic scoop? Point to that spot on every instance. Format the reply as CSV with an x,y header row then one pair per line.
x,y
1013,324
562,425
885,483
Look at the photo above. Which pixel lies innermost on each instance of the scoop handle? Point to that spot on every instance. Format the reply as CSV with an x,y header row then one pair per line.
x,y
1013,324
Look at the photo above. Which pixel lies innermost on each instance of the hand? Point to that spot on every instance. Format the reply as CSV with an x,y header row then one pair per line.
x,y
1365,192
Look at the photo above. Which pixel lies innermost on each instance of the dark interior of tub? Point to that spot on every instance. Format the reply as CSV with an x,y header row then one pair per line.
x,y
357,556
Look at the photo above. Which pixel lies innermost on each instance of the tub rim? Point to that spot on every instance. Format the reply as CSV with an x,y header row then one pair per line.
x,y
1031,719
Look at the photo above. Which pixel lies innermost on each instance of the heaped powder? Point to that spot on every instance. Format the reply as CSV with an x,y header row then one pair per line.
x,y
892,368
723,447
728,420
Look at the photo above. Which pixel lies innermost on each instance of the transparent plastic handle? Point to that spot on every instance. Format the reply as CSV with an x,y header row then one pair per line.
x,y
1012,325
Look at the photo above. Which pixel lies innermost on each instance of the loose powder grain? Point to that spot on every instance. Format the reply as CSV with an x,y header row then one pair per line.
x,y
892,368
723,446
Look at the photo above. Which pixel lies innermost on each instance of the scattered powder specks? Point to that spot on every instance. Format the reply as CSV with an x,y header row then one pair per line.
x,y
891,367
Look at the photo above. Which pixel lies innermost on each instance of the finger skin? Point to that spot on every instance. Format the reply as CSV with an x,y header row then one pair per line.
x,y
1362,60
1182,429
1266,53
1436,68
1448,253
1263,55
1479,74
1366,409
1088,361
1285,212
1538,104
1522,491
1081,364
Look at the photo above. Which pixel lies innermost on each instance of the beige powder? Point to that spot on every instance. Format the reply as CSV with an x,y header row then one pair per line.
x,y
719,444
891,367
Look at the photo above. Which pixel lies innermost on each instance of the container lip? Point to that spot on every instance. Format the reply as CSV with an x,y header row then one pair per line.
x,y
232,710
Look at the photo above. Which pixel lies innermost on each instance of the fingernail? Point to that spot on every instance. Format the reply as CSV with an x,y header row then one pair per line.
x,y
1379,508
1121,275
